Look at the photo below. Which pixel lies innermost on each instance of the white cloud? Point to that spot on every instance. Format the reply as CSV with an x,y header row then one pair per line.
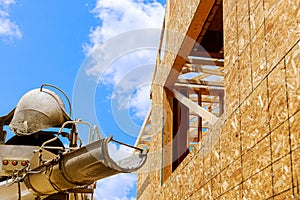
x,y
123,63
117,17
117,187
120,16
6,2
8,29
140,108
120,186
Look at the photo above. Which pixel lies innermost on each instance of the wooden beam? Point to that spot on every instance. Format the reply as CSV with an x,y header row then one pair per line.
x,y
195,107
200,119
207,54
200,68
167,135
200,82
221,104
205,100
194,30
139,138
180,129
205,61
203,75
205,90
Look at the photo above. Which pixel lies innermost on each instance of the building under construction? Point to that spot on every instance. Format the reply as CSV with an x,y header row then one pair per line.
x,y
224,121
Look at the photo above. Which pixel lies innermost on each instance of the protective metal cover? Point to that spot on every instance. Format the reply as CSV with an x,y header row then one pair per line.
x,y
37,110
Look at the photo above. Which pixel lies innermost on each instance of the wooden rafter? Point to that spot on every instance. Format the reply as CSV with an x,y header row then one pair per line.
x,y
205,61
199,68
207,54
206,99
201,82
203,76
144,135
195,107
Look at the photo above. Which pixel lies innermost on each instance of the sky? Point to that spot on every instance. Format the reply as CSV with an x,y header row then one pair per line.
x,y
100,52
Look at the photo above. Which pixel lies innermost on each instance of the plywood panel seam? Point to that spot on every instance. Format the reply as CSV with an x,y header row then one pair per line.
x,y
284,192
269,126
279,158
262,169
225,15
258,29
268,93
288,121
241,51
200,187
292,169
279,60
243,17
239,185
279,161
249,149
261,82
266,14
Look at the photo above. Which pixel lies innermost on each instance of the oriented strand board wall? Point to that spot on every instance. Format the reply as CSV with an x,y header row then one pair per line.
x,y
256,153
262,55
149,178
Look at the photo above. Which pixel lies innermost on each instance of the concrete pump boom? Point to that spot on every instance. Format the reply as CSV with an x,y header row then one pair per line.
x,y
35,163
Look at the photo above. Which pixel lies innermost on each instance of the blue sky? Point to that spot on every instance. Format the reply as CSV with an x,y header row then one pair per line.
x,y
54,41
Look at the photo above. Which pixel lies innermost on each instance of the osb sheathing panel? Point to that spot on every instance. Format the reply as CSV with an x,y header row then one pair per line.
x,y
269,5
295,131
257,158
280,141
230,38
234,193
151,169
231,176
282,175
206,191
268,120
198,172
215,159
243,36
258,186
282,30
277,96
196,196
285,195
296,172
242,16
175,30
180,7
231,90
293,78
254,117
230,141
207,167
256,16
258,58
231,56
216,186
228,6
245,79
